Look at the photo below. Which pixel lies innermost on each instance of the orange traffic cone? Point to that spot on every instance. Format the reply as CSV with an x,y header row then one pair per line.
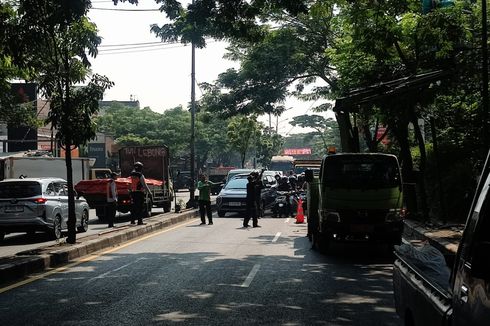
x,y
300,217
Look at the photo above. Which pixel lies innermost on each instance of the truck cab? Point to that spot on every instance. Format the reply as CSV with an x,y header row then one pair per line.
x,y
358,196
465,299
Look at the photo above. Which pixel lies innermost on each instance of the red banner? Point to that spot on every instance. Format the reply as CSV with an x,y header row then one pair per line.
x,y
297,151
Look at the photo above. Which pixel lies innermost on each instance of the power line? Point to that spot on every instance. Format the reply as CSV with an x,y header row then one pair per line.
x,y
157,44
119,9
144,50
129,44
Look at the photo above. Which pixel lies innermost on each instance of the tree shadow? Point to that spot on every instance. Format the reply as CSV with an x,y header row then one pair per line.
x,y
350,287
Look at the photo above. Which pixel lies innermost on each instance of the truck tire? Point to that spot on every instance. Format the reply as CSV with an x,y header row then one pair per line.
x,y
100,212
167,206
221,214
321,242
2,236
147,208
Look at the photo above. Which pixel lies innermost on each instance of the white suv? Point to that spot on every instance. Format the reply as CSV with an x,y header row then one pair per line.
x,y
38,204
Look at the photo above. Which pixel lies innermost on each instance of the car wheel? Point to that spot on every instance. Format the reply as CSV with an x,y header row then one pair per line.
x,y
56,232
83,222
221,214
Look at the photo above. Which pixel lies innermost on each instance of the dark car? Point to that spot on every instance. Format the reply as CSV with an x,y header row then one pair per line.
x,y
182,180
232,197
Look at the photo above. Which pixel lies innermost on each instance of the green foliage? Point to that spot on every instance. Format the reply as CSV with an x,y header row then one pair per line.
x,y
241,132
268,144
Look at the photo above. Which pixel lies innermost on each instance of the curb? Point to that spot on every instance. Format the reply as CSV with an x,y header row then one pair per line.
x,y
15,268
413,231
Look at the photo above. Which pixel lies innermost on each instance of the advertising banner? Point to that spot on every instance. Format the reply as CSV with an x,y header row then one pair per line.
x,y
297,151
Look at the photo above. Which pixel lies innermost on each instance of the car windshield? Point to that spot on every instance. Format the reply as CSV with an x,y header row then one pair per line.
x,y
19,189
237,183
370,172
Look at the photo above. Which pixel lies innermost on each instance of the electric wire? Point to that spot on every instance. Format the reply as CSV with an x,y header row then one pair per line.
x,y
119,9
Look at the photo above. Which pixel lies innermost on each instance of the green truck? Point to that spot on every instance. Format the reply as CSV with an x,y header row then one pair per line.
x,y
356,196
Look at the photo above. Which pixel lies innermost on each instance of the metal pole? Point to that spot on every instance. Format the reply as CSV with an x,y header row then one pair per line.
x,y
191,202
484,40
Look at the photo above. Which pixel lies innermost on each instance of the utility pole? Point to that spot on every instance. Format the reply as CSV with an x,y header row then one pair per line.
x,y
191,202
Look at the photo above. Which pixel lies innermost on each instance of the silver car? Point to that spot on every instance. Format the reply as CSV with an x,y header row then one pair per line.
x,y
38,204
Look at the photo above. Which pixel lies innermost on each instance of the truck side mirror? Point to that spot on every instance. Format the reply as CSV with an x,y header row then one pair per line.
x,y
480,265
309,175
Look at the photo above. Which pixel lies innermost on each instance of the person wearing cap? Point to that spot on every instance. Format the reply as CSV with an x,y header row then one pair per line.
x,y
204,200
111,193
137,190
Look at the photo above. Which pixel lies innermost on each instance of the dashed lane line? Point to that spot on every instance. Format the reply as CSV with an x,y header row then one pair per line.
x,y
278,234
251,276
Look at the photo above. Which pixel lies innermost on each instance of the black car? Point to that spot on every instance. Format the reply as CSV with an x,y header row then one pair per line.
x,y
232,197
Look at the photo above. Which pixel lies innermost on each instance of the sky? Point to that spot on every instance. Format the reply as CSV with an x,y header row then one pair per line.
x,y
159,75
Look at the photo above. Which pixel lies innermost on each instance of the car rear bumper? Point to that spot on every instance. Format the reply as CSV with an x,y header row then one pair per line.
x,y
24,224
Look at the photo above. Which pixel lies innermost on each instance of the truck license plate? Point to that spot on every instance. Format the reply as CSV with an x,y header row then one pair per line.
x,y
14,209
235,203
361,228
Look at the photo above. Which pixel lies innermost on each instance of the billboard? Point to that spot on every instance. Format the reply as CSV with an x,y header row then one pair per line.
x,y
97,151
26,136
297,151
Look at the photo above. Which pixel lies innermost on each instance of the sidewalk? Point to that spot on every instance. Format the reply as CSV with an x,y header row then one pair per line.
x,y
446,238
14,268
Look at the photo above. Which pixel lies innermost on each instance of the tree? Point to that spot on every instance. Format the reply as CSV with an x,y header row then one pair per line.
x,y
241,132
56,40
320,124
10,111
268,144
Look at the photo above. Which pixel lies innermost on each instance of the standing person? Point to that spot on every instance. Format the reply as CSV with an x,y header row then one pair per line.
x,y
251,212
111,206
137,190
204,186
259,185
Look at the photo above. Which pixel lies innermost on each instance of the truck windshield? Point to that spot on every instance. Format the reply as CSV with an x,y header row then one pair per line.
x,y
367,172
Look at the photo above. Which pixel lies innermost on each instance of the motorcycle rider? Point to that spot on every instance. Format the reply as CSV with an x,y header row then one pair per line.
x,y
285,186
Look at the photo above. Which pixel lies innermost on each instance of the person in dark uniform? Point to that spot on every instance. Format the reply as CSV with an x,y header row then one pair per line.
x,y
251,212
137,190
259,185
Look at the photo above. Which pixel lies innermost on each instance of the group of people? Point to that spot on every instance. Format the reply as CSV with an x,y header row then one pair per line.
x,y
137,190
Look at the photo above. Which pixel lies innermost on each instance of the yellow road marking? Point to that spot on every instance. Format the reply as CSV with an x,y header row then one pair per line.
x,y
88,258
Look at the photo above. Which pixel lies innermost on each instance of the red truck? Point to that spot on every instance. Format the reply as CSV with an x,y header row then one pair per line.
x,y
156,171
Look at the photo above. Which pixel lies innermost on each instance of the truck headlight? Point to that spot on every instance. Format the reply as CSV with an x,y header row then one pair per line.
x,y
330,215
395,215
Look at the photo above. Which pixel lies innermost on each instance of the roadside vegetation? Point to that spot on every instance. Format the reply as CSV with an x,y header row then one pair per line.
x,y
385,66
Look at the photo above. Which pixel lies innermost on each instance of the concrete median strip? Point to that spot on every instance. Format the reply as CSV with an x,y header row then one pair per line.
x,y
14,268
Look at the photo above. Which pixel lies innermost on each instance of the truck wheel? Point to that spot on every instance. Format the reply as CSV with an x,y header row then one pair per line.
x,y
221,214
2,236
147,209
321,242
100,212
167,206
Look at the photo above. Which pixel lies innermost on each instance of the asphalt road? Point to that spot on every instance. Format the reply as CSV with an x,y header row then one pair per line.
x,y
213,275
18,242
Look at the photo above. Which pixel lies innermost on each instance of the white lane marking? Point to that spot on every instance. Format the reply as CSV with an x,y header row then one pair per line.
x,y
287,220
251,276
103,275
278,234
